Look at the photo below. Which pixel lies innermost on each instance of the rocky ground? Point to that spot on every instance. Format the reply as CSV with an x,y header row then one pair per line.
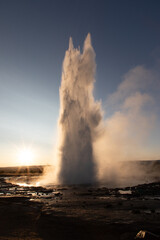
x,y
78,212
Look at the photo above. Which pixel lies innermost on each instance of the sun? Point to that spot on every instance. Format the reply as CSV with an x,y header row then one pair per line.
x,y
25,157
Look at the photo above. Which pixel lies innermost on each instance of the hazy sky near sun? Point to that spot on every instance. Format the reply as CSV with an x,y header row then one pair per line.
x,y
34,36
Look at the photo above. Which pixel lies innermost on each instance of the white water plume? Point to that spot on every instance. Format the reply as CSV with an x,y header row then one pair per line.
x,y
80,115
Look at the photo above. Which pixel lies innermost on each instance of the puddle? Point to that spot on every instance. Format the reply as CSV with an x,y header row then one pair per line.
x,y
125,192
147,211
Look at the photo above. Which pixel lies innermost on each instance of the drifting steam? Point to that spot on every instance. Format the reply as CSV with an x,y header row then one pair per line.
x,y
80,115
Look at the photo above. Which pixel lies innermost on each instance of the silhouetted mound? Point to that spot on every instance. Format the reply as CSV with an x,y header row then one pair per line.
x,y
21,170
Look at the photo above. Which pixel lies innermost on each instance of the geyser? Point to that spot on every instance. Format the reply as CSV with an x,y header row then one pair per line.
x,y
80,116
90,149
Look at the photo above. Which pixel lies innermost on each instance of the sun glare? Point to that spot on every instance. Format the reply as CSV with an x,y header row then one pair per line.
x,y
25,157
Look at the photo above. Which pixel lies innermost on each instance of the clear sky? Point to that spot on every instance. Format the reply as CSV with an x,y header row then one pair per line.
x,y
34,36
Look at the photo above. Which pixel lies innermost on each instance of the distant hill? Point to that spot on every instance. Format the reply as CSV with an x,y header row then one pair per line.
x,y
20,171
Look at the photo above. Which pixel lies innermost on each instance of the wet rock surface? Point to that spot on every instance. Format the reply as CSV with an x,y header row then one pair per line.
x,y
77,212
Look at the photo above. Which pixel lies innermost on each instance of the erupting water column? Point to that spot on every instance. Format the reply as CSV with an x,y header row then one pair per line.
x,y
79,117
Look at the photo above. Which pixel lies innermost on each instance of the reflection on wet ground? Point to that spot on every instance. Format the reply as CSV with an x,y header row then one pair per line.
x,y
83,197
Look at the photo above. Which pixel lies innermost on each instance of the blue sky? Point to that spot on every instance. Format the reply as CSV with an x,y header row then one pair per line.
x,y
34,36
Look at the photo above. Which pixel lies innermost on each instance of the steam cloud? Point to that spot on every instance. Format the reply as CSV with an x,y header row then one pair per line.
x,y
129,128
